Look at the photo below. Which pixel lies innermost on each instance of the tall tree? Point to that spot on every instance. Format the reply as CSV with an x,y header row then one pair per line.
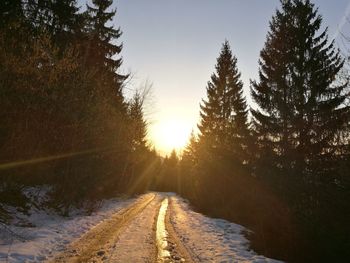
x,y
101,51
138,124
60,19
65,16
299,105
223,126
189,154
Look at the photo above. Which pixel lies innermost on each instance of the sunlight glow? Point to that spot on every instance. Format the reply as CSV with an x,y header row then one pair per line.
x,y
170,134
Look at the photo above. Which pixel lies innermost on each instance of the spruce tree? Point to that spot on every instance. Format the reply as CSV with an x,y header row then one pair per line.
x,y
67,23
101,51
65,17
189,154
138,124
299,106
223,126
59,19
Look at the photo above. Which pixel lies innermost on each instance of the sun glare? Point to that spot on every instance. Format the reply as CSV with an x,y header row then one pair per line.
x,y
171,134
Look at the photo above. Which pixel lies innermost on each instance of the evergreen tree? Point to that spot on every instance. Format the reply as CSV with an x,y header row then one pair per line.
x,y
101,51
39,14
188,167
65,17
58,18
189,155
173,159
223,127
299,107
138,125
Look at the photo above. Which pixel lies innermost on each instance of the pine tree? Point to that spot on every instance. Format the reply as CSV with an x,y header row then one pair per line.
x,y
67,24
138,125
173,159
64,16
101,51
188,167
299,106
223,127
189,154
59,19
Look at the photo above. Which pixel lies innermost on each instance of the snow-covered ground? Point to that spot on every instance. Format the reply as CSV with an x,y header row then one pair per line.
x,y
137,243
47,233
211,240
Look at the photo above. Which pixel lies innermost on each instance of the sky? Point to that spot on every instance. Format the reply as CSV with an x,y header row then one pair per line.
x,y
173,44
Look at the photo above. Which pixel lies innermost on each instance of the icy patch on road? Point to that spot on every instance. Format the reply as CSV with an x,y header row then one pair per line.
x,y
211,240
46,233
162,234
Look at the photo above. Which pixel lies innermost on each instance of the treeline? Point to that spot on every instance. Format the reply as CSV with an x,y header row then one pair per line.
x,y
281,164
64,119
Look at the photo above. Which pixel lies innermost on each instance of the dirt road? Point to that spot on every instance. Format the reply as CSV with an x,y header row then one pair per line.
x,y
151,228
140,232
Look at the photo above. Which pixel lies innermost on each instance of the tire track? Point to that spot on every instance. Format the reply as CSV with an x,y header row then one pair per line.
x,y
177,250
136,242
95,245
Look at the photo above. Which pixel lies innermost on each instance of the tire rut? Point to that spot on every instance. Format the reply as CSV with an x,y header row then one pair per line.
x,y
95,245
178,251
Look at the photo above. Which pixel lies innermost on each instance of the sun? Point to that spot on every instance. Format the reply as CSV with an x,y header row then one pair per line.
x,y
170,134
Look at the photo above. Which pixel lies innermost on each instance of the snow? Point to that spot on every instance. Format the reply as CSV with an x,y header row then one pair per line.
x,y
46,233
211,240
136,243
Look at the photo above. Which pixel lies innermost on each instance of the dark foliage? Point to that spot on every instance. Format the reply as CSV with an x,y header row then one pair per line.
x,y
64,119
223,125
286,177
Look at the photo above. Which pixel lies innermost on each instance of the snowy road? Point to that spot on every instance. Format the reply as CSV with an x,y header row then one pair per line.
x,y
155,227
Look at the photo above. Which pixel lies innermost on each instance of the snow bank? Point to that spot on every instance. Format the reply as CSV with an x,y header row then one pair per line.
x,y
45,233
212,240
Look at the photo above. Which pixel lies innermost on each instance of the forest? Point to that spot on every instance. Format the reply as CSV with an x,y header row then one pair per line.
x,y
279,166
